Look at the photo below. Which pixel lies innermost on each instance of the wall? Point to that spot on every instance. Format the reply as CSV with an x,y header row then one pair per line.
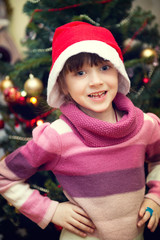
x,y
152,5
19,21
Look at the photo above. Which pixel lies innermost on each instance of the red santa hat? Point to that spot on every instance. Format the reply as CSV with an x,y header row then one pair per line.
x,y
76,37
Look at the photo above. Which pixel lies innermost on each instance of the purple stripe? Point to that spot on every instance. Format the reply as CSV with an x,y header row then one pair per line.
x,y
103,184
29,159
18,164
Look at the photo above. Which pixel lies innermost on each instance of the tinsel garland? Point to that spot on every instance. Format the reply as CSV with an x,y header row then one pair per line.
x,y
34,1
66,7
134,36
30,123
18,138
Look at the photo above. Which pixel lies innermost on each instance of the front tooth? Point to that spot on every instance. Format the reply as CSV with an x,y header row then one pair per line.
x,y
97,94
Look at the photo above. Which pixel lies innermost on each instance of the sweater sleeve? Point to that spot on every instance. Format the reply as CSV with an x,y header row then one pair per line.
x,y
153,159
41,153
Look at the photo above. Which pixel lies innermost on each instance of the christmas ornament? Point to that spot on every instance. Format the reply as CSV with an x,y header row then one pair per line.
x,y
18,127
130,72
129,43
146,80
51,36
33,86
11,95
150,54
21,100
1,124
155,63
32,35
41,25
6,83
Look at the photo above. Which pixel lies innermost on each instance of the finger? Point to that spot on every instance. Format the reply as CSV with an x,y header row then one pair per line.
x,y
84,220
81,226
84,217
80,211
144,219
75,230
142,211
152,225
151,222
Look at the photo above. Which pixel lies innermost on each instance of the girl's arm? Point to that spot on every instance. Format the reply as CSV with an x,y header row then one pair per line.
x,y
23,163
152,198
41,153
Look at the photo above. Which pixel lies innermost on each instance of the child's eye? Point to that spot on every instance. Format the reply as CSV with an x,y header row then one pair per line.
x,y
80,73
105,67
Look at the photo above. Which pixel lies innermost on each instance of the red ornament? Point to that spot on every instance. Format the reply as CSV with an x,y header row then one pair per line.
x,y
22,100
1,124
12,95
45,194
146,80
30,123
16,124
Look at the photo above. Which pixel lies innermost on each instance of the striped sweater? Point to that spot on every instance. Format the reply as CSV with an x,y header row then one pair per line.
x,y
99,165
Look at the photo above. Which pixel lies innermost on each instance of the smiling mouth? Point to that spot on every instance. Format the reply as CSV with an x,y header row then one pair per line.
x,y
98,94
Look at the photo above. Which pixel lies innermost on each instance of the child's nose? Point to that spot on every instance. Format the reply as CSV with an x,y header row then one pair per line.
x,y
95,79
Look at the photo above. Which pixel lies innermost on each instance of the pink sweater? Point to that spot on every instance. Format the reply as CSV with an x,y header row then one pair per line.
x,y
99,165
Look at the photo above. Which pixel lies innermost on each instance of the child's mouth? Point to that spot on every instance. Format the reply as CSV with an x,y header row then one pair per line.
x,y
98,94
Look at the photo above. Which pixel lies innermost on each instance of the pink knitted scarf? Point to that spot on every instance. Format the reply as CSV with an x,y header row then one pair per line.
x,y
97,133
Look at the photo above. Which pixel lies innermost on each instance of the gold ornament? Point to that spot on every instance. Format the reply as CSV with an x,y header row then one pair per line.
x,y
150,54
6,83
33,86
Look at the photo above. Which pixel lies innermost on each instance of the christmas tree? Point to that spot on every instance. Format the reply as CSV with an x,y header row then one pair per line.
x,y
23,86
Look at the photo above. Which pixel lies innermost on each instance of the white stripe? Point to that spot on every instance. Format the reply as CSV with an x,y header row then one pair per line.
x,y
18,194
66,235
154,175
147,117
61,127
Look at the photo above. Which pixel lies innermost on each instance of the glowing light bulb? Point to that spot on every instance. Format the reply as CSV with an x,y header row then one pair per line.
x,y
23,93
39,122
33,100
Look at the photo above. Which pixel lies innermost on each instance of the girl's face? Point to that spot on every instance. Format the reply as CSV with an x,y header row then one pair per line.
x,y
93,88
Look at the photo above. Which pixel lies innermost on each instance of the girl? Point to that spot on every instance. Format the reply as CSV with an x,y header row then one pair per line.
x,y
96,149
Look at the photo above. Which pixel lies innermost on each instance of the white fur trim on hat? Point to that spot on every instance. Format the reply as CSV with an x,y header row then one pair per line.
x,y
54,98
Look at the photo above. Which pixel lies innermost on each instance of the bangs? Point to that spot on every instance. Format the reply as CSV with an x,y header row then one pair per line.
x,y
77,61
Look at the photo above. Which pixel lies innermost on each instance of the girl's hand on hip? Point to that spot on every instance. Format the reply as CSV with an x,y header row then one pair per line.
x,y
146,216
73,218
